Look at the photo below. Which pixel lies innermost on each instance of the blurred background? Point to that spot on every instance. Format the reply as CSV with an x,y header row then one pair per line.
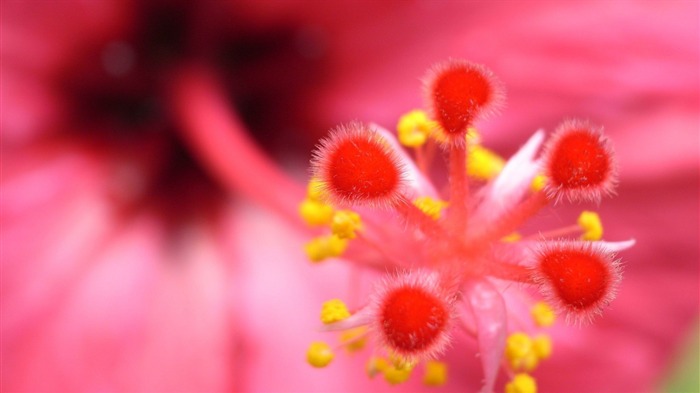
x,y
153,153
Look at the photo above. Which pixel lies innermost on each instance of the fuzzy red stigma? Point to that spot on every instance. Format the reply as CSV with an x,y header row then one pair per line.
x,y
356,165
412,319
579,277
579,162
459,92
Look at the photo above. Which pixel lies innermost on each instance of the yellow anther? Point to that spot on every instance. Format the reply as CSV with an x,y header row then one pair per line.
x,y
538,183
414,128
431,207
402,362
334,310
522,383
319,354
483,164
393,374
354,339
323,247
435,373
345,224
542,346
512,238
315,213
396,376
376,365
520,353
591,225
518,345
314,190
542,314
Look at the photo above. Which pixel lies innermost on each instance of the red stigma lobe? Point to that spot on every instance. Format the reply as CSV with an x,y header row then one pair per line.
x,y
460,92
357,165
580,279
579,160
412,319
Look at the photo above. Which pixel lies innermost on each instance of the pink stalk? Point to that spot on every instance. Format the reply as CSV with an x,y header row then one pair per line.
x,y
510,272
512,220
459,188
220,141
415,217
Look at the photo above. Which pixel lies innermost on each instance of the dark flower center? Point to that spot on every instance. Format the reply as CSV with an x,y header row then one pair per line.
x,y
118,92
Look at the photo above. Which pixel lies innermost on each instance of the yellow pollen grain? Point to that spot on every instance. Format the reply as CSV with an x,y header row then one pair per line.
x,y
538,183
402,362
345,223
315,213
519,352
414,128
483,164
590,225
521,383
334,310
319,354
376,365
518,345
542,314
354,339
396,376
324,247
435,373
431,207
542,346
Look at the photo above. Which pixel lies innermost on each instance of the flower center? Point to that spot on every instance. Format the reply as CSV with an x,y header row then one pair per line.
x,y
412,319
467,248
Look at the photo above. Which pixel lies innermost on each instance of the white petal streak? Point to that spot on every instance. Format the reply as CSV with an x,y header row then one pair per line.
x,y
515,178
489,312
617,246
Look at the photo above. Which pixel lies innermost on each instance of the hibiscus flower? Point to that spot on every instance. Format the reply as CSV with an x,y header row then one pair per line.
x,y
127,265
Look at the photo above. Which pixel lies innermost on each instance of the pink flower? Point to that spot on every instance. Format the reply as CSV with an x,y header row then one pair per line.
x,y
128,265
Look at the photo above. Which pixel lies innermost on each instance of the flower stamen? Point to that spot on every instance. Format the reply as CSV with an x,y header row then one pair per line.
x,y
542,314
591,225
522,383
324,247
345,224
431,207
319,354
334,310
435,373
